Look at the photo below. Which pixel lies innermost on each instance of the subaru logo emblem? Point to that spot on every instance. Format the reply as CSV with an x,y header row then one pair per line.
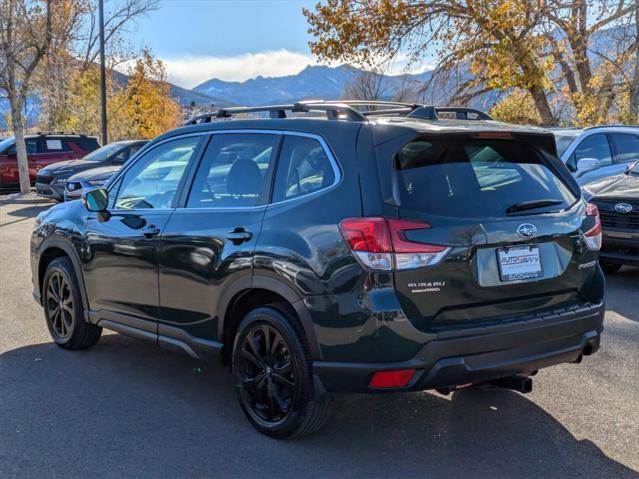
x,y
623,208
526,230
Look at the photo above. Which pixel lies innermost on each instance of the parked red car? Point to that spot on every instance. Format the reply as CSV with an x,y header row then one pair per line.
x,y
42,150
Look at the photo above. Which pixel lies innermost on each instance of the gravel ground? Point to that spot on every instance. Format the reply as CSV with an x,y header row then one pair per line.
x,y
127,409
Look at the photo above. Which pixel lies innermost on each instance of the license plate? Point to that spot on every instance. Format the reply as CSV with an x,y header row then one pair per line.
x,y
519,263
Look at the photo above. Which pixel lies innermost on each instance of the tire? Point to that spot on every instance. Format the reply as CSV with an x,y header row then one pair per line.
x,y
277,391
610,268
63,308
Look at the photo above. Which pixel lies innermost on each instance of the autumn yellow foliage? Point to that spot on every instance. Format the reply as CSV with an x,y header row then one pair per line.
x,y
140,108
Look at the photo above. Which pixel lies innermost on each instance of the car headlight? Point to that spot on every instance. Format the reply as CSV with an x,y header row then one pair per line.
x,y
59,181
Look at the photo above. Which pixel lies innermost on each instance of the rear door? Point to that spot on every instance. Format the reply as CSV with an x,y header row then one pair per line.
x,y
509,224
207,246
626,150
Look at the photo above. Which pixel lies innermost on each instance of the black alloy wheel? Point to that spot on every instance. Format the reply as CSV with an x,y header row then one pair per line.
x,y
272,371
59,304
64,309
267,377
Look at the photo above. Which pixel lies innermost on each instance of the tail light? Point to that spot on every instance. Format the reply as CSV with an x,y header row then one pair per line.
x,y
381,244
592,237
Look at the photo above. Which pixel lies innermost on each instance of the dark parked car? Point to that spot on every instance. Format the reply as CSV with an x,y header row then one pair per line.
x,y
51,181
42,151
364,252
618,201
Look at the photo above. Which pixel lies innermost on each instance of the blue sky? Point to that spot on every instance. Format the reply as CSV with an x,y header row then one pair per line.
x,y
227,39
232,40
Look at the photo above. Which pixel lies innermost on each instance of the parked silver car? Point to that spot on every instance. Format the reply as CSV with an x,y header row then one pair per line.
x,y
598,152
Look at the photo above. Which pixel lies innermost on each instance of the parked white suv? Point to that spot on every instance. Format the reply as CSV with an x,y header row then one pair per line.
x,y
598,152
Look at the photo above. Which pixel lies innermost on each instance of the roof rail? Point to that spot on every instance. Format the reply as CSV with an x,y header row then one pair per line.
x,y
612,125
345,110
334,111
60,133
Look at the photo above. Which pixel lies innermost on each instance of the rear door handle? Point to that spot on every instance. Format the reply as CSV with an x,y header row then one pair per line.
x,y
239,236
151,231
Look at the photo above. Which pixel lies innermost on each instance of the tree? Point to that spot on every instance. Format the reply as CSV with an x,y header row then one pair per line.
x,y
139,106
545,48
76,56
497,39
594,44
146,103
26,31
367,85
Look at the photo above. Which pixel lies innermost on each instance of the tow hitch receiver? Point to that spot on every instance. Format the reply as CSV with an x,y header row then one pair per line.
x,y
520,384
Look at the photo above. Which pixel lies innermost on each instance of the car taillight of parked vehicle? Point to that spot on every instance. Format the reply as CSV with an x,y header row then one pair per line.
x,y
593,236
381,244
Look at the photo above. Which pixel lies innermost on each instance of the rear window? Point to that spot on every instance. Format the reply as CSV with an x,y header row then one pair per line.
x,y
475,178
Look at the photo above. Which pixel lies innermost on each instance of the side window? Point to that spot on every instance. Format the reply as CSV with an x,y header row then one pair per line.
x,y
595,146
131,151
626,147
234,171
56,145
153,181
303,168
32,146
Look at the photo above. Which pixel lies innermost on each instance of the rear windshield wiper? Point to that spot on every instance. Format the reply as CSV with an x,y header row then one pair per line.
x,y
531,205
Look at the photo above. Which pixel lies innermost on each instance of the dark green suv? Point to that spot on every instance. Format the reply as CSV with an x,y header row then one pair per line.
x,y
356,251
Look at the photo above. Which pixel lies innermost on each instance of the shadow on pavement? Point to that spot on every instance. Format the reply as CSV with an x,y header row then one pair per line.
x,y
30,209
126,408
622,292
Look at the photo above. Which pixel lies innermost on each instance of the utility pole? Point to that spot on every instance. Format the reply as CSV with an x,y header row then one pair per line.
x,y
103,75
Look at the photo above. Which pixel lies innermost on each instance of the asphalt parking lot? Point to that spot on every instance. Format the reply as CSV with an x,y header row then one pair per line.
x,y
127,409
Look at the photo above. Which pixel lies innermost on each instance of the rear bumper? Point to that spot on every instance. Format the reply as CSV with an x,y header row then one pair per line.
x,y
481,354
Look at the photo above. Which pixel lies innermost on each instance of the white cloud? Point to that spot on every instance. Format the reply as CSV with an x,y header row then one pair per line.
x,y
191,71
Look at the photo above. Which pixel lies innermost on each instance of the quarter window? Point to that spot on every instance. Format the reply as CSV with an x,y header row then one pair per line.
x,y
235,171
153,181
303,168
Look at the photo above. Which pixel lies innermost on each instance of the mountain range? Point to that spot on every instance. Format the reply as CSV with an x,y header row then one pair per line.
x,y
313,82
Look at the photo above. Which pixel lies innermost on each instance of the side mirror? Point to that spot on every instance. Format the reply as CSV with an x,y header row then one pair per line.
x,y
96,200
118,159
587,164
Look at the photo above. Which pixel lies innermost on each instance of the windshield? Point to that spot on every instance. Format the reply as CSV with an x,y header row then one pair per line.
x,y
478,178
564,139
103,153
4,144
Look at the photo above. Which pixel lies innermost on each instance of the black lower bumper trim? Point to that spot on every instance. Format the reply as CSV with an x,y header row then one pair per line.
x,y
519,349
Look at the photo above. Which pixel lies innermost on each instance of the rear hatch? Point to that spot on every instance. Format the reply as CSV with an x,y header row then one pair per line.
x,y
510,222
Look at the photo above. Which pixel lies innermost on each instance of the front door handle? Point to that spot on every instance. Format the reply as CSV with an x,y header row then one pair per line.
x,y
239,236
151,231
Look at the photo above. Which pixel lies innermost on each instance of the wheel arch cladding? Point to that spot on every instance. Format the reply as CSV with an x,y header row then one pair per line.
x,y
261,295
56,248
